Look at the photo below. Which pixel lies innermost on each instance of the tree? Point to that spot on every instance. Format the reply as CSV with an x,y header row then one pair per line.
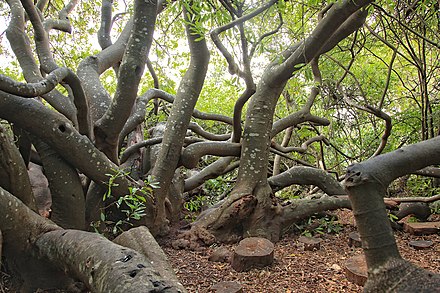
x,y
88,128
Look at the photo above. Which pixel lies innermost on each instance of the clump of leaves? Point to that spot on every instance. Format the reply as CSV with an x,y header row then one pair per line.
x,y
195,205
328,224
219,186
132,205
392,217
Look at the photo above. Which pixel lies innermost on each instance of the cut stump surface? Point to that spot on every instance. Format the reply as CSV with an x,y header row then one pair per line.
x,y
354,240
252,252
422,228
356,270
421,244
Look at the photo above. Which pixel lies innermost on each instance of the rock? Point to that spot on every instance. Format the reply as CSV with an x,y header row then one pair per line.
x,y
354,240
180,244
420,244
310,243
227,287
221,254
252,252
356,269
423,228
420,210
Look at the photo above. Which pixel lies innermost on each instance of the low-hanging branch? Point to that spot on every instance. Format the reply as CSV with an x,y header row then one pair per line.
x,y
192,153
306,176
149,142
366,183
100,264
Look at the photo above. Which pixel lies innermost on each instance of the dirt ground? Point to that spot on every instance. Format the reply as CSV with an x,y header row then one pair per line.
x,y
294,269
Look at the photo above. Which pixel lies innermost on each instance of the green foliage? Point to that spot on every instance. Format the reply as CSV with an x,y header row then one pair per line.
x,y
195,204
327,224
131,205
218,186
392,217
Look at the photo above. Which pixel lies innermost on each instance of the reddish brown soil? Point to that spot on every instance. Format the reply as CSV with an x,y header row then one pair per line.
x,y
295,270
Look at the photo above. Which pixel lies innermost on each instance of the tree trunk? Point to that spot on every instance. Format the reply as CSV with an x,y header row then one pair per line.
x,y
177,124
366,184
250,209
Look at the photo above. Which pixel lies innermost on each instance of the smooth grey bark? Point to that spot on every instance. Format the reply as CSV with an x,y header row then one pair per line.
x,y
13,172
68,200
261,211
48,64
192,153
141,240
108,128
55,130
47,255
307,176
19,42
366,184
179,119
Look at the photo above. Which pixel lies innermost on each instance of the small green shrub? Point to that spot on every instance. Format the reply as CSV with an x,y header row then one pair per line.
x,y
131,205
327,224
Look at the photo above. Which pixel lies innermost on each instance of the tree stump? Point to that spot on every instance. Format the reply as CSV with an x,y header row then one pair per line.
x,y
310,243
252,252
423,228
354,240
420,244
356,270
227,287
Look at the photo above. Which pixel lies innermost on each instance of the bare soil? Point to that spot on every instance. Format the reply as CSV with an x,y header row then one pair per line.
x,y
294,269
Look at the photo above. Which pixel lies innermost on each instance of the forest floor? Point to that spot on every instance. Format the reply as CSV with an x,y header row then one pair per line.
x,y
295,270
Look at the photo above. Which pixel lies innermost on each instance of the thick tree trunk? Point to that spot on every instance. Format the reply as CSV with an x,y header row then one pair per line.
x,y
366,184
250,209
177,124
13,172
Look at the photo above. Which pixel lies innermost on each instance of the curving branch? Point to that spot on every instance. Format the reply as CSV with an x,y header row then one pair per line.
x,y
138,115
92,67
46,250
109,126
32,90
19,42
219,167
208,135
192,153
104,38
180,117
307,176
149,142
61,136
48,65
366,184
303,148
300,116
63,22
233,66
